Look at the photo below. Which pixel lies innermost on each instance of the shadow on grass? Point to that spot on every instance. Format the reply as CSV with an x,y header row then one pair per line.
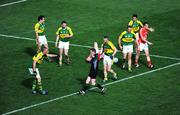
x,y
27,83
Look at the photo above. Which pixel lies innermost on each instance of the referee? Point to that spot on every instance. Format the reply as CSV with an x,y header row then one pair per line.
x,y
91,79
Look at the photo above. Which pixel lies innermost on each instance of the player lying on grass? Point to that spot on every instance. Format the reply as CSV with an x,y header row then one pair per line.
x,y
142,44
109,51
93,59
64,33
126,43
38,58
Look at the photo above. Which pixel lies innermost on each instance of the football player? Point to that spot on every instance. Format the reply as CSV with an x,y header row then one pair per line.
x,y
143,44
64,33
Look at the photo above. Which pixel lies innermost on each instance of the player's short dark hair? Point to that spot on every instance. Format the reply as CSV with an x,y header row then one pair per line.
x,y
129,26
93,50
107,37
135,15
40,17
63,22
145,23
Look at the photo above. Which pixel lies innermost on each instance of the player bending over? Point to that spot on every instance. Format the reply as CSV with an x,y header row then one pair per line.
x,y
64,33
91,79
38,58
109,51
143,44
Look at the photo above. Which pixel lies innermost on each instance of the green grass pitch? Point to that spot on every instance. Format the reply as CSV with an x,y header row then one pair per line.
x,y
155,92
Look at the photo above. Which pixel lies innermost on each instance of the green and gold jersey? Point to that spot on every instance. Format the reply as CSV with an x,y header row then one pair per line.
x,y
108,48
127,38
40,28
136,25
63,33
39,57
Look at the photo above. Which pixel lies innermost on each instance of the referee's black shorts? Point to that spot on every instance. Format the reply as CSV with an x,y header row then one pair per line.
x,y
92,74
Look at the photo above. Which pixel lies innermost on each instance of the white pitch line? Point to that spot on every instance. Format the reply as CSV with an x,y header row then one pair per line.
x,y
72,94
77,45
11,3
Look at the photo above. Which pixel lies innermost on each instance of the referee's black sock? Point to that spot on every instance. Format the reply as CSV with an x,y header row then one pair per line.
x,y
99,86
86,87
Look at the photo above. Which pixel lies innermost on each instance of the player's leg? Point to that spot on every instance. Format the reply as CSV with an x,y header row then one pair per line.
x,y
60,56
148,58
105,61
124,56
93,83
39,45
66,50
129,61
137,57
34,85
39,84
105,72
124,60
109,69
85,86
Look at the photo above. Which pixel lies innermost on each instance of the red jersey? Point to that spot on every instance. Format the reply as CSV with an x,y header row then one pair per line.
x,y
143,33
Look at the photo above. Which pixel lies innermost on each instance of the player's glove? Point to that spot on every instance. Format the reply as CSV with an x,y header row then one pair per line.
x,y
34,73
112,57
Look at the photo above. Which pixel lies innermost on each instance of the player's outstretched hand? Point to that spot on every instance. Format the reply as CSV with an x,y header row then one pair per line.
x,y
151,29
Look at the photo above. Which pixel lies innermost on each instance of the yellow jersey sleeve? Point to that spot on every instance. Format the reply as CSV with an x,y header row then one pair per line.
x,y
111,45
140,23
122,34
57,32
70,31
130,23
36,27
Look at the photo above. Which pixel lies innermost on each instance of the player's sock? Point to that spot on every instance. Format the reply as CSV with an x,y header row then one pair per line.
x,y
105,77
99,86
149,63
60,62
67,59
40,86
124,63
34,85
129,69
86,87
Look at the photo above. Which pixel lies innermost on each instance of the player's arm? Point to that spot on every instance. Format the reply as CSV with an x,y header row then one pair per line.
x,y
140,23
151,29
51,55
143,38
36,33
34,66
70,33
119,41
130,23
57,38
114,49
88,59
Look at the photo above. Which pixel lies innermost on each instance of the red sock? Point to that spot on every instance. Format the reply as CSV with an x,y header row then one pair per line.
x,y
149,63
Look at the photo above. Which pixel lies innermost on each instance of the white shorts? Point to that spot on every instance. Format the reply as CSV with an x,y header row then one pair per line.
x,y
107,60
143,46
42,40
64,45
37,71
128,49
